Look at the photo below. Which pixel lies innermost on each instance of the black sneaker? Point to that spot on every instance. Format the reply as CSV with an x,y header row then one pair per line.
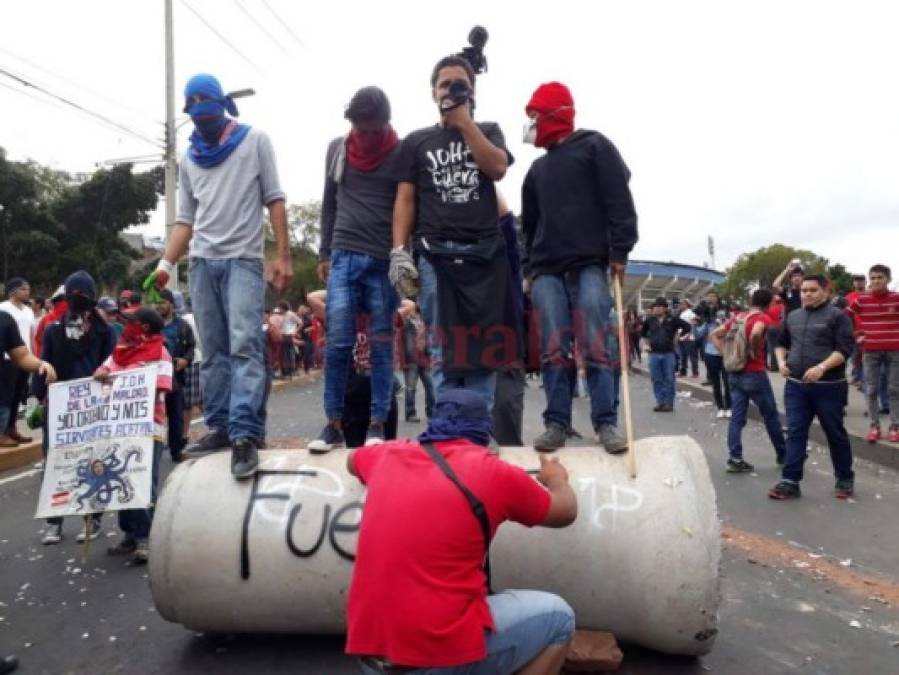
x,y
844,488
785,490
666,407
124,547
215,440
244,458
375,433
330,438
551,439
659,408
738,466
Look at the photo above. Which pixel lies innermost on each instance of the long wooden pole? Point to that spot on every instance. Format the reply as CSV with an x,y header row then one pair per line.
x,y
625,378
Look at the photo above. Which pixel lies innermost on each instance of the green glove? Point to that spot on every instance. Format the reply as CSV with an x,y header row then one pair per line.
x,y
36,418
150,291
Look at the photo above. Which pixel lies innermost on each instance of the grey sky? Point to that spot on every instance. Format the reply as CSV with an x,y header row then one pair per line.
x,y
755,122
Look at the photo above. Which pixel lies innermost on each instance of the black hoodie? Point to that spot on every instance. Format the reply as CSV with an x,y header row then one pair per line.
x,y
577,207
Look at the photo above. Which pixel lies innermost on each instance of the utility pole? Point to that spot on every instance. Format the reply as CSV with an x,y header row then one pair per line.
x,y
171,150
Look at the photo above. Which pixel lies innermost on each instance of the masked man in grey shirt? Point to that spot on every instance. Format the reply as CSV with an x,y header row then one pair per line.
x,y
227,176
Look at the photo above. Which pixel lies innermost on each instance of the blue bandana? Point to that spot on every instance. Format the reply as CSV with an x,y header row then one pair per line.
x,y
459,413
206,147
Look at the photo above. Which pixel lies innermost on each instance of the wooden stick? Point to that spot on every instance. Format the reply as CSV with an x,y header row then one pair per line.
x,y
623,352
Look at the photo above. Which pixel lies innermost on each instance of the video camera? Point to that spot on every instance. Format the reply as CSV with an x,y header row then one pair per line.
x,y
459,92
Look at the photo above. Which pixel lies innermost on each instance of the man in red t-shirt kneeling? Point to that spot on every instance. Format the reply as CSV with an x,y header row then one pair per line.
x,y
419,599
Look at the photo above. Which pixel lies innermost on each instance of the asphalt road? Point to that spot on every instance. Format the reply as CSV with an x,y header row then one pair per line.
x,y
780,613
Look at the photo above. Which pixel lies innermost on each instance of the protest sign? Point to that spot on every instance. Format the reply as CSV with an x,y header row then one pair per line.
x,y
101,445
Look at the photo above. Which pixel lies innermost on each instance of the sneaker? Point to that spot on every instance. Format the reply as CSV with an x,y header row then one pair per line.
x,y
214,441
244,458
893,436
785,490
8,664
413,419
552,439
141,553
721,414
611,440
375,434
844,488
330,438
728,414
659,407
124,547
873,434
666,407
53,535
91,530
738,466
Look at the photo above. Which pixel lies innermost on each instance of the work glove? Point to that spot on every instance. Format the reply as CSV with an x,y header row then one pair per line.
x,y
158,280
403,275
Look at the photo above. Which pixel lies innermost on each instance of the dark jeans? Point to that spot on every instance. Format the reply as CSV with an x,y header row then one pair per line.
x,y
569,307
508,406
689,353
771,338
411,375
16,391
661,371
826,401
174,410
135,523
714,364
755,387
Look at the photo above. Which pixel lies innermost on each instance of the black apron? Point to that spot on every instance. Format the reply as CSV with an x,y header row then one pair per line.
x,y
477,322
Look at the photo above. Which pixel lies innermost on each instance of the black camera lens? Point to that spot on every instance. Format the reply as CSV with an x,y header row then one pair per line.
x,y
459,91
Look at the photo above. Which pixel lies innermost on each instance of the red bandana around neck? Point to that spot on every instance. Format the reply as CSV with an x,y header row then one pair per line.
x,y
135,346
366,152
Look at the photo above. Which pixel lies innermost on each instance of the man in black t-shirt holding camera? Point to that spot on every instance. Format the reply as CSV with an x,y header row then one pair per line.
x,y
446,203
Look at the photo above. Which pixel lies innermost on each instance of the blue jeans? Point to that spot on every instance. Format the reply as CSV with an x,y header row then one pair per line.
x,y
357,286
135,523
527,622
227,296
882,386
412,374
661,372
826,401
755,387
689,355
480,383
574,307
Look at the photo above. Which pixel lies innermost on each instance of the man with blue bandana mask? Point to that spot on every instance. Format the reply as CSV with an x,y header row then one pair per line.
x,y
418,599
228,175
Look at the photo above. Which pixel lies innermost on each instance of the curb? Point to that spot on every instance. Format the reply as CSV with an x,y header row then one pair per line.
x,y
30,453
879,453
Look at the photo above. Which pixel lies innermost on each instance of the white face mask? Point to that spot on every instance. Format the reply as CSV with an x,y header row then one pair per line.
x,y
530,131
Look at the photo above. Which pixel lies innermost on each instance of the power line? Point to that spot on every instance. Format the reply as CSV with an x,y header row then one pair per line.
x,y
102,118
218,34
258,23
77,85
283,23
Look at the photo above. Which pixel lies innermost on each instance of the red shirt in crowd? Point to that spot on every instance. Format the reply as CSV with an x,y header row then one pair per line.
x,y
756,362
876,316
776,311
418,595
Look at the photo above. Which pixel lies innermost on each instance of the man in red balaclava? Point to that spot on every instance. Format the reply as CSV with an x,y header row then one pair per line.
x,y
579,225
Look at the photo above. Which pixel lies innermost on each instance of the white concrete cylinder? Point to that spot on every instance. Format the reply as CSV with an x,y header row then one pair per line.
x,y
274,554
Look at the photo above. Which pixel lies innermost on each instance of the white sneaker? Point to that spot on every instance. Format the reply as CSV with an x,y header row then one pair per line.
x,y
91,529
53,535
141,553
721,414
727,413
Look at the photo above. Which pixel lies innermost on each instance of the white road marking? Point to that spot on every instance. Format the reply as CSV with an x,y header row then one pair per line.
x,y
24,474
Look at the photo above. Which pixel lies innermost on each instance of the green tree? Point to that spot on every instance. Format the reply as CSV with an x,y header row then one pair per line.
x,y
761,267
304,231
840,277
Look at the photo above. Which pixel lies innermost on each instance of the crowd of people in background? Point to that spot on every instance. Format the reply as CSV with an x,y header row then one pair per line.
x,y
803,330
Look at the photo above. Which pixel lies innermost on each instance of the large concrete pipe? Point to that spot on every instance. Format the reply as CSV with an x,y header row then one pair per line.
x,y
274,554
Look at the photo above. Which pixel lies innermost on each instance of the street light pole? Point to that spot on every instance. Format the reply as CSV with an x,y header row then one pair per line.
x,y
171,157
